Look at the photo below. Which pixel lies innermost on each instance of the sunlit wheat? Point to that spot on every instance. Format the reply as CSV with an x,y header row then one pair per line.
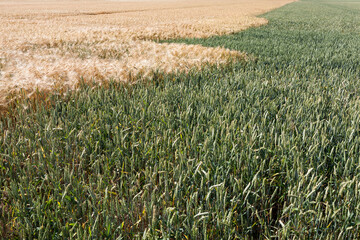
x,y
45,45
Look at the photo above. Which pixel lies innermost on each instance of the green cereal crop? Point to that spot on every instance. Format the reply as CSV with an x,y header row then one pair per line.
x,y
266,149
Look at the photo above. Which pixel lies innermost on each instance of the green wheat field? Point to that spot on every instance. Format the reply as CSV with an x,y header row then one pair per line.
x,y
258,150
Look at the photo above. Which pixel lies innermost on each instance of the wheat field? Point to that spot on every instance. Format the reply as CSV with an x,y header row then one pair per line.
x,y
263,149
53,44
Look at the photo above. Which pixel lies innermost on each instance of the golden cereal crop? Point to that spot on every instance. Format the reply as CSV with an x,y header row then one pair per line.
x,y
49,44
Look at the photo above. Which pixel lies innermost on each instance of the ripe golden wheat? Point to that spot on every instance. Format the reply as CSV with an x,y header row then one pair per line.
x,y
47,45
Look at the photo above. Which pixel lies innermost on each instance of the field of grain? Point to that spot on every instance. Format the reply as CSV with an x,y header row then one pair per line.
x,y
267,149
51,44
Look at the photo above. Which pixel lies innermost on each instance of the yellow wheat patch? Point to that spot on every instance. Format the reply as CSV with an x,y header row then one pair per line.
x,y
50,44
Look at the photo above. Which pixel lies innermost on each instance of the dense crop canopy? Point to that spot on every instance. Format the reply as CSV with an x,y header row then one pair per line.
x,y
51,45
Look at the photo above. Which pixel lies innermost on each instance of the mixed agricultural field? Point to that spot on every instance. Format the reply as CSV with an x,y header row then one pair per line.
x,y
180,119
55,45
